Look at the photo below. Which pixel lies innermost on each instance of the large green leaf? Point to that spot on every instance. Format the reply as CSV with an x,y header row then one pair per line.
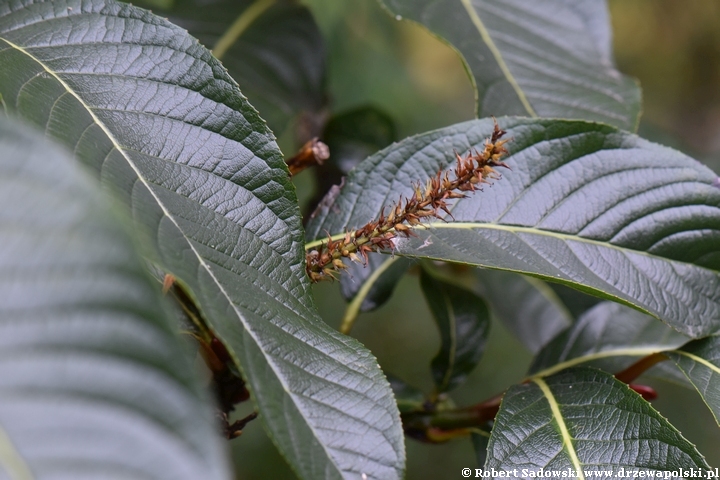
x,y
700,362
94,383
164,126
586,421
463,319
528,307
584,204
272,48
608,336
548,58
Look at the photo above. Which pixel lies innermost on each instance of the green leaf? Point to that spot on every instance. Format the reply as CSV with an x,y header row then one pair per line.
x,y
528,307
409,398
586,421
585,205
372,285
480,440
272,48
608,336
700,362
464,323
354,135
94,382
576,302
165,128
548,58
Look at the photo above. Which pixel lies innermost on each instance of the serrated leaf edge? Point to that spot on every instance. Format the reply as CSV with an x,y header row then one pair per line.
x,y
201,261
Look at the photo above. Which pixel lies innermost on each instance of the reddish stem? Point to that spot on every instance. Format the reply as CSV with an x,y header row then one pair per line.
x,y
640,367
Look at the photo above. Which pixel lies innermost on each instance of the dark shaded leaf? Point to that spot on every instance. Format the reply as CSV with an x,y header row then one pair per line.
x,y
372,284
547,58
528,307
480,442
272,48
409,399
700,362
464,323
608,336
165,128
94,382
355,135
576,302
585,205
584,420
352,137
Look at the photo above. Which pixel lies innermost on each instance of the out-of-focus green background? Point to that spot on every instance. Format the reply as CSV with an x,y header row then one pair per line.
x,y
671,46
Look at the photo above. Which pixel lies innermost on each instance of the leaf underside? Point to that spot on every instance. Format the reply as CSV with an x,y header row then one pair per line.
x,y
700,362
164,127
608,336
94,382
585,205
527,306
546,58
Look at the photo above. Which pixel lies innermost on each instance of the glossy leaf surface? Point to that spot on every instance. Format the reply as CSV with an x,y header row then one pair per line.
x,y
586,421
584,204
528,307
608,336
700,362
548,58
463,319
165,128
94,382
272,48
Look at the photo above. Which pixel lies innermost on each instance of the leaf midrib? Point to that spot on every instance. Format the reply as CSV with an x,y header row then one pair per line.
x,y
202,262
10,458
564,432
546,233
616,352
485,35
240,25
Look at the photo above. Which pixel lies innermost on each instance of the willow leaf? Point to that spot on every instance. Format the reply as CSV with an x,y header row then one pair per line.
x,y
165,128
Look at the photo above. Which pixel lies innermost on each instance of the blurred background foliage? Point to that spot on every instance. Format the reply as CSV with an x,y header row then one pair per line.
x,y
671,46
